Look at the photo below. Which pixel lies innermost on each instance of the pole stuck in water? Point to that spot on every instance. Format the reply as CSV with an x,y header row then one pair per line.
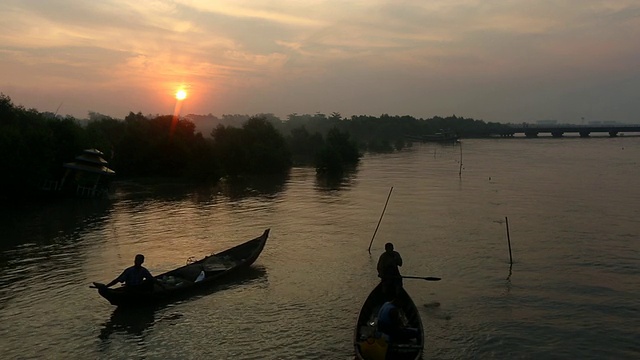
x,y
381,215
508,240
460,171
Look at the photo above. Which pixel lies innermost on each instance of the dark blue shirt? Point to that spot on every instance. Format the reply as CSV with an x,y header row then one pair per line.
x,y
388,317
134,275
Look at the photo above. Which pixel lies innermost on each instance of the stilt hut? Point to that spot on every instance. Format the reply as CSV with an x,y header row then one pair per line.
x,y
87,176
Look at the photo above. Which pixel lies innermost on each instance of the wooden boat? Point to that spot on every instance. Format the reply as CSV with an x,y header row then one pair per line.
x,y
189,278
370,344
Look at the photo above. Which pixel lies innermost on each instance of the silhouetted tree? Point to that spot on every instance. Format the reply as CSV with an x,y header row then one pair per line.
x,y
338,154
256,148
304,147
267,149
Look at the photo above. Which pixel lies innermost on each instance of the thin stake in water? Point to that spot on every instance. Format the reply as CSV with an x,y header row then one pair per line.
x,y
460,171
508,240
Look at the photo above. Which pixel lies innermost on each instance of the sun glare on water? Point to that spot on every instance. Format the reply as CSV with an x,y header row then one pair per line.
x,y
181,94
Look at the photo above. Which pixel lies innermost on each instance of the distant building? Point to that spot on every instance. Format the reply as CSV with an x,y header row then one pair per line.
x,y
547,122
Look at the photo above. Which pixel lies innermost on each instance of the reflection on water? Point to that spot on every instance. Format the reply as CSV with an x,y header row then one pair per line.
x,y
144,191
49,221
133,321
573,287
332,182
263,185
42,243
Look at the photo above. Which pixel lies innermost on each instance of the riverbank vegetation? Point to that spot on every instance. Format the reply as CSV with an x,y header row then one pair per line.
x,y
34,145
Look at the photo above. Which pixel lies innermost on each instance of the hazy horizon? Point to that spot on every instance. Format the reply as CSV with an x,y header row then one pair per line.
x,y
571,61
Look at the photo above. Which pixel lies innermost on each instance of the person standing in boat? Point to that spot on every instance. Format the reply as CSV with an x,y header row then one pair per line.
x,y
388,264
135,275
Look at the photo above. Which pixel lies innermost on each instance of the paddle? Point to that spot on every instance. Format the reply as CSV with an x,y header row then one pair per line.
x,y
428,278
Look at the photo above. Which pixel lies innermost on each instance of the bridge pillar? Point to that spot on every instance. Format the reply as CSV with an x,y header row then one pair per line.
x,y
613,133
584,134
557,134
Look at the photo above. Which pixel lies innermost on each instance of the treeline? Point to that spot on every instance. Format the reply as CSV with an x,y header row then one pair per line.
x,y
371,134
33,145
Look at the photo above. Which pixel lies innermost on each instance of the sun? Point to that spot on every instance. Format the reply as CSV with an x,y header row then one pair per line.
x,y
181,94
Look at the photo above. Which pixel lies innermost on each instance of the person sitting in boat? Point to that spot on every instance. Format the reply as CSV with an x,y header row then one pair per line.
x,y
388,271
135,275
390,322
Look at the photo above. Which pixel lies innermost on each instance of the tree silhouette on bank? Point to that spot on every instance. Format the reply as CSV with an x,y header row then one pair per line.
x,y
34,145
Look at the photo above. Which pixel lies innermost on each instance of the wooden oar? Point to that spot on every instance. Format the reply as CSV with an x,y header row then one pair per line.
x,y
428,278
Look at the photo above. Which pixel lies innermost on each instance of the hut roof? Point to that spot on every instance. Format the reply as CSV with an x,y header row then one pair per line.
x,y
103,170
93,159
90,161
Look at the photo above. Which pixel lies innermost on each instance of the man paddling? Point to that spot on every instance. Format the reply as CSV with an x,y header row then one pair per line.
x,y
388,271
134,276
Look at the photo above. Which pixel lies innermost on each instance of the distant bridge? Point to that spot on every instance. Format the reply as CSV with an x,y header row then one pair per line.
x,y
532,130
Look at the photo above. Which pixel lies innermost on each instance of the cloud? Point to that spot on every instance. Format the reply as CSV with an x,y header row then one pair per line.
x,y
287,13
401,56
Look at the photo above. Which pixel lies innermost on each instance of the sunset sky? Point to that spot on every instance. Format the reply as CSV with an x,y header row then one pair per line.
x,y
505,61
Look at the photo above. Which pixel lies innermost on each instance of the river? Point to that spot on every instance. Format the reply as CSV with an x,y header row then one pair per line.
x,y
573,211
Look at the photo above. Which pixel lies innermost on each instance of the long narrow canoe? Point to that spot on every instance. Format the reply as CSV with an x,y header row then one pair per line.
x,y
188,279
368,343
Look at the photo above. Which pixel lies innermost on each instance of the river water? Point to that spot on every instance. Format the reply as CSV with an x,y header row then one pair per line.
x,y
572,207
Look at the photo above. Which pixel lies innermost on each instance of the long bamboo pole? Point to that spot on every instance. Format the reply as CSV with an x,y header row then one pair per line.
x,y
381,215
